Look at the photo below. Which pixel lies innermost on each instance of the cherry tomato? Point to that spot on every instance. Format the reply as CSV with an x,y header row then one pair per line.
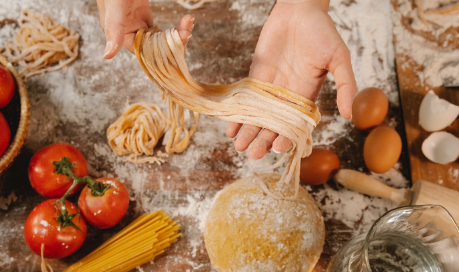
x,y
6,86
41,170
42,226
5,135
107,210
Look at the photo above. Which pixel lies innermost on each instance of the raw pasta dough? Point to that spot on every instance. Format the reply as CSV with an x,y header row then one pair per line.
x,y
248,101
246,230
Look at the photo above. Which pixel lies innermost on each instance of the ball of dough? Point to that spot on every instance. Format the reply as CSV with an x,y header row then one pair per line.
x,y
247,230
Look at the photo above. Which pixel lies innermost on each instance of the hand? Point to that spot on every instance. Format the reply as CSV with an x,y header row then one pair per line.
x,y
297,47
121,19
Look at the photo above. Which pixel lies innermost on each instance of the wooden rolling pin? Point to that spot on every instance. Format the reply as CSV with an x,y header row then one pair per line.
x,y
422,192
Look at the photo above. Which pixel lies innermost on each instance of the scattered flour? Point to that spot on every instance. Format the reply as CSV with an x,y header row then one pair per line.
x,y
366,28
334,128
440,64
78,105
437,24
351,208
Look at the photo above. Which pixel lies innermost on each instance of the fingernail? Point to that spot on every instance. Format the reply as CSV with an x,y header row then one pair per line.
x,y
188,38
275,151
108,48
192,19
191,28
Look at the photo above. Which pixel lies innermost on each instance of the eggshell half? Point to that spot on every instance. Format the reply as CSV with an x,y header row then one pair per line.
x,y
441,147
435,113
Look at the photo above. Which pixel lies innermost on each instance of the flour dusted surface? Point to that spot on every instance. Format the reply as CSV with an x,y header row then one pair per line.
x,y
77,106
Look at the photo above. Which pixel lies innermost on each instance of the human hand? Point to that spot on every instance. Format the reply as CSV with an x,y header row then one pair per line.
x,y
121,19
297,47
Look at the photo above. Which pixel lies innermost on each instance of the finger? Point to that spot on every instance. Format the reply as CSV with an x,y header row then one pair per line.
x,y
145,15
341,68
129,40
233,129
184,28
281,144
101,8
114,24
129,36
262,144
246,136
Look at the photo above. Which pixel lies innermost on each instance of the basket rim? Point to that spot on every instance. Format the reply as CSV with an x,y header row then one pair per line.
x,y
21,134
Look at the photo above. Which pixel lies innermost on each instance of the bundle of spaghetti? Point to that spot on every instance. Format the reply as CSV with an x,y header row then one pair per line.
x,y
248,101
137,131
141,241
40,43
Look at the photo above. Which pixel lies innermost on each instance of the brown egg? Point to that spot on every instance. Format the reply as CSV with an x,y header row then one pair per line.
x,y
319,167
382,149
369,108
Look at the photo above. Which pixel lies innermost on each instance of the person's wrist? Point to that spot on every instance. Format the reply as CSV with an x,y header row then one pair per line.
x,y
322,4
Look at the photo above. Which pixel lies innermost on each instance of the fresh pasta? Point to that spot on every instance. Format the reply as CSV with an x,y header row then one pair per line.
x,y
41,45
141,241
45,266
248,101
137,131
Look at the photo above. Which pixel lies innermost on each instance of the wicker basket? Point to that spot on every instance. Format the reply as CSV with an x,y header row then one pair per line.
x,y
16,144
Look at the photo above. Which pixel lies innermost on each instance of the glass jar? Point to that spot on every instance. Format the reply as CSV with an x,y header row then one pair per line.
x,y
409,239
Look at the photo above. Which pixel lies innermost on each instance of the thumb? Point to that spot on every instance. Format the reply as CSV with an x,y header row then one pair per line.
x,y
341,68
115,17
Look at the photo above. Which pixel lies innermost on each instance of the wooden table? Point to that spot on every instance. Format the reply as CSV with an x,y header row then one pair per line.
x,y
77,107
412,91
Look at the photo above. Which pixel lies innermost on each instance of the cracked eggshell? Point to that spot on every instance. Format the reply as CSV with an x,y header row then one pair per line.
x,y
441,147
435,113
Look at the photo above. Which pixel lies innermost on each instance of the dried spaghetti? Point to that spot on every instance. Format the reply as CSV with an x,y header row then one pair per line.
x,y
141,241
41,45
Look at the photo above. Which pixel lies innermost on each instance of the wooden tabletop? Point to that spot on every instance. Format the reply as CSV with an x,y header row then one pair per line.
x,y
78,105
413,88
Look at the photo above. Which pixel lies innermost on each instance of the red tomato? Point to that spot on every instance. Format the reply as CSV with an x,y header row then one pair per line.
x,y
107,210
5,135
41,226
41,170
6,86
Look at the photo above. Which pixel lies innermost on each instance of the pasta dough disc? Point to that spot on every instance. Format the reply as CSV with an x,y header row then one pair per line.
x,y
249,101
247,231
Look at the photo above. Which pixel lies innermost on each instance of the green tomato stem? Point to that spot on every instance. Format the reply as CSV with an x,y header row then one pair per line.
x,y
64,167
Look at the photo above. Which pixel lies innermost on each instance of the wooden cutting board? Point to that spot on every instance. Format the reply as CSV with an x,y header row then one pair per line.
x,y
412,90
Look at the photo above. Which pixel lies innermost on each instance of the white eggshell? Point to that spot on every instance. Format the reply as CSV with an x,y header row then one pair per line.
x,y
435,113
441,147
